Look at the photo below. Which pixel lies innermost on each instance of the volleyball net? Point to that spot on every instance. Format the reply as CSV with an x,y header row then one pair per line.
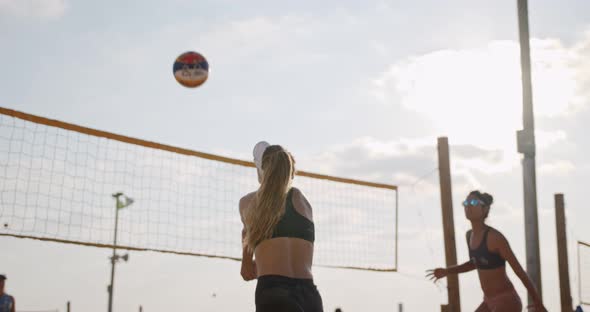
x,y
57,181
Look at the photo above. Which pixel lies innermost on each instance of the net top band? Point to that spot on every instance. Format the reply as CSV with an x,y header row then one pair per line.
x,y
169,148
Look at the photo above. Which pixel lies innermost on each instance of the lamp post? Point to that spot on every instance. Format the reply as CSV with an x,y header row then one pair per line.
x,y
122,201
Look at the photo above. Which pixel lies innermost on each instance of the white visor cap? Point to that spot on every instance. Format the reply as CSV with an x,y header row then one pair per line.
x,y
259,149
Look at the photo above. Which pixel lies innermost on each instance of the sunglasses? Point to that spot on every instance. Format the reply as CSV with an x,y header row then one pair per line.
x,y
473,202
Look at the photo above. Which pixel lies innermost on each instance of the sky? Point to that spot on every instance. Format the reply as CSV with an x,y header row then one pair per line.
x,y
353,89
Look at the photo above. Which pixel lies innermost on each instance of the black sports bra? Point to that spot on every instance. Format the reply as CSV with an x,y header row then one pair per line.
x,y
482,257
293,224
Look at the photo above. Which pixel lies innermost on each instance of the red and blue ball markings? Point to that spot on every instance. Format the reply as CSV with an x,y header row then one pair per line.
x,y
191,69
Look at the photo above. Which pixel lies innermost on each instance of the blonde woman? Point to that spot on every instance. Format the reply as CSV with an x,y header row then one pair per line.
x,y
278,236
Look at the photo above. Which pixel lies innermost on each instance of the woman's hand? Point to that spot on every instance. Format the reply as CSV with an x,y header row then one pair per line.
x,y
436,274
248,270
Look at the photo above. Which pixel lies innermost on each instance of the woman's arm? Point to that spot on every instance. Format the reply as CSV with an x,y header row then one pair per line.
x,y
248,270
503,248
439,273
461,268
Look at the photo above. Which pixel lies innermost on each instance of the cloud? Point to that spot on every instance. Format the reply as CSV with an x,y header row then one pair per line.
x,y
546,139
581,50
474,95
410,163
466,157
557,168
470,151
373,159
45,9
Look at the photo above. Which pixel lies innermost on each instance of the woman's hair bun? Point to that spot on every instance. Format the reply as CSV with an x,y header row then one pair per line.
x,y
487,198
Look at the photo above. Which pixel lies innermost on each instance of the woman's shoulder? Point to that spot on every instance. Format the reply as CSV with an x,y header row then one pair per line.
x,y
246,200
296,192
494,232
298,195
248,197
300,202
495,237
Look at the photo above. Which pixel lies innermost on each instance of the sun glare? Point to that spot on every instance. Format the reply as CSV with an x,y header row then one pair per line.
x,y
474,96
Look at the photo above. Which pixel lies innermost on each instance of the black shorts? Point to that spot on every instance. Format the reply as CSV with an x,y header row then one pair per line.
x,y
284,294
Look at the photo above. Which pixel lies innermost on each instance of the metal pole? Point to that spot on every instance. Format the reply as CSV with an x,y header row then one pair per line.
x,y
446,196
396,226
68,307
562,259
579,277
114,257
526,146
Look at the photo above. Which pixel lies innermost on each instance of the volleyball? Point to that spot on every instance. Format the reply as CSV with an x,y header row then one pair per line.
x,y
191,69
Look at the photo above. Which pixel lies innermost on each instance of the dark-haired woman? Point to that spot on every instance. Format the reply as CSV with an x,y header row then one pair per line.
x,y
488,252
279,234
